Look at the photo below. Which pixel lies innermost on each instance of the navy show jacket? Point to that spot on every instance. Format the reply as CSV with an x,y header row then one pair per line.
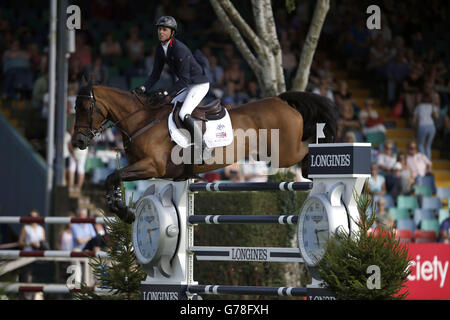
x,y
181,62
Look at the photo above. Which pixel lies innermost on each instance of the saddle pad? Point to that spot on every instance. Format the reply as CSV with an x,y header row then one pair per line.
x,y
219,133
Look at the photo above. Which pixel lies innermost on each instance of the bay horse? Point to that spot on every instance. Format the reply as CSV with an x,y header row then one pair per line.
x,y
145,134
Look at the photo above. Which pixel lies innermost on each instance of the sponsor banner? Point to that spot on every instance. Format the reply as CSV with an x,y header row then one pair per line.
x,y
163,292
430,276
339,159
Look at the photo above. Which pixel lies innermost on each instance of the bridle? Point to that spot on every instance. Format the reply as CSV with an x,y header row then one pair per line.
x,y
91,132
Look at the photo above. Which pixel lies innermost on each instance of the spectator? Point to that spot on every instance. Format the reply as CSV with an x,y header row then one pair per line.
x,y
82,52
406,174
228,56
77,165
379,57
75,70
289,60
32,237
444,231
82,232
342,95
233,172
395,182
446,135
424,113
377,183
65,243
97,243
35,58
324,90
135,48
255,171
383,219
411,88
16,71
348,119
397,71
97,71
417,161
252,93
218,75
326,73
234,75
387,159
370,121
40,88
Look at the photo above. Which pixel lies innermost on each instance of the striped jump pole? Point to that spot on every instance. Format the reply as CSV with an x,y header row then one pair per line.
x,y
50,220
251,186
247,290
50,288
13,254
244,219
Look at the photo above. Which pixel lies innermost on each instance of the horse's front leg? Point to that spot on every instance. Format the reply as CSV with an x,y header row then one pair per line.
x,y
144,169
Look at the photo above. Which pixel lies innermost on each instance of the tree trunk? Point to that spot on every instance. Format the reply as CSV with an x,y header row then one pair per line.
x,y
264,54
309,47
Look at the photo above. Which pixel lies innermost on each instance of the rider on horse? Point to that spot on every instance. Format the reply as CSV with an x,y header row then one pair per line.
x,y
193,83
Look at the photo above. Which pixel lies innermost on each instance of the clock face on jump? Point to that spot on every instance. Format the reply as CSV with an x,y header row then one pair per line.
x,y
148,230
315,229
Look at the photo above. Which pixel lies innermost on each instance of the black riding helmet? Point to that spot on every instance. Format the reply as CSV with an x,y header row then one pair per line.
x,y
167,21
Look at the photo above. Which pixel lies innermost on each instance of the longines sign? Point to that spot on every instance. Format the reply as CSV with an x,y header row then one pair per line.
x,y
339,159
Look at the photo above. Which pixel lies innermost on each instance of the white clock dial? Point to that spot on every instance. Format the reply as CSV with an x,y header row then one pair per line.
x,y
314,231
148,231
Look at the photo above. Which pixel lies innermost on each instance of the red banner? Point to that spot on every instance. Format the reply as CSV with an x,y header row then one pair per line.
x,y
430,276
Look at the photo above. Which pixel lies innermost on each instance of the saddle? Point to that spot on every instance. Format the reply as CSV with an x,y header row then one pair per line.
x,y
212,111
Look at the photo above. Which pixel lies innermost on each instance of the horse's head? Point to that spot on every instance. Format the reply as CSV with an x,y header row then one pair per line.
x,y
89,117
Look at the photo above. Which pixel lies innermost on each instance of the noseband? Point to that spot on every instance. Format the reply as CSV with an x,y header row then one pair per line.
x,y
91,132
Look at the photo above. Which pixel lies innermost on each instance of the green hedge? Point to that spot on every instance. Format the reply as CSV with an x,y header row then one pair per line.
x,y
244,203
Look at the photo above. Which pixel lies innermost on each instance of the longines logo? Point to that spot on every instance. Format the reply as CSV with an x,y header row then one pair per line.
x,y
330,160
160,295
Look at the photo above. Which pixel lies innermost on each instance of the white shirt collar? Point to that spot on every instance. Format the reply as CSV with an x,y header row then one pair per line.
x,y
165,47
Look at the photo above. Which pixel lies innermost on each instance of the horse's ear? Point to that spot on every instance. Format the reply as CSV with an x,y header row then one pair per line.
x,y
89,77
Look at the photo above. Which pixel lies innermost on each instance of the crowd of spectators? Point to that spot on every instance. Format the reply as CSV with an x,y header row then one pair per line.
x,y
405,62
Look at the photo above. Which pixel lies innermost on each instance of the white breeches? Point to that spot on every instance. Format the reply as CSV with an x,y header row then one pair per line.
x,y
192,96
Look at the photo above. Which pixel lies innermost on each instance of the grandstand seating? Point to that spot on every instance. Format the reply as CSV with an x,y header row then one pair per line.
x,y
406,224
403,235
422,236
423,191
430,225
421,214
400,213
443,214
431,203
407,202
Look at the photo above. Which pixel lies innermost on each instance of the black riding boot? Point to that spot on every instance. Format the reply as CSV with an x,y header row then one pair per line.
x,y
195,129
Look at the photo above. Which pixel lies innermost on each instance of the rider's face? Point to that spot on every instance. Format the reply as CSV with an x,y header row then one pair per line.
x,y
164,34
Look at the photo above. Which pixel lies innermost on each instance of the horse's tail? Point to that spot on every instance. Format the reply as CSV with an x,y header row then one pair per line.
x,y
314,109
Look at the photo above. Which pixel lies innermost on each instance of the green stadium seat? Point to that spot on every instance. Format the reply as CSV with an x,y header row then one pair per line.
x,y
423,191
92,163
430,225
443,214
376,138
407,202
400,213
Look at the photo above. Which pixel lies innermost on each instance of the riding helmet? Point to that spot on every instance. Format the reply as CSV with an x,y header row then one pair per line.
x,y
167,21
